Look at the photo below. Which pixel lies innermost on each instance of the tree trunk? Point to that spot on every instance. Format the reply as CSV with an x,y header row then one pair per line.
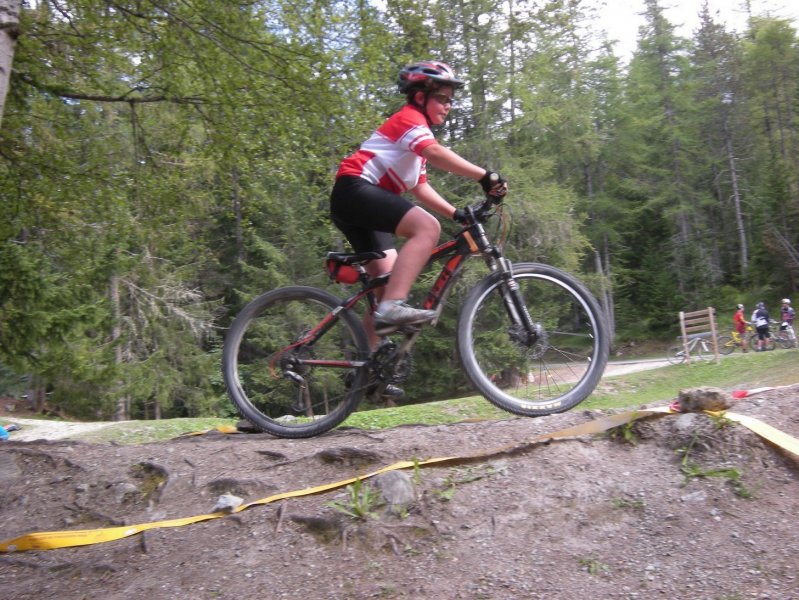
x,y
121,411
736,202
9,32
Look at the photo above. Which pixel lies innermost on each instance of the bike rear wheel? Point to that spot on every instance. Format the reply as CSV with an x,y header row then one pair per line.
x,y
533,378
783,340
726,344
676,355
284,384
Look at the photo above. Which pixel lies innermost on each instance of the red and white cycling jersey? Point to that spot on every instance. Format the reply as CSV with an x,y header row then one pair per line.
x,y
392,157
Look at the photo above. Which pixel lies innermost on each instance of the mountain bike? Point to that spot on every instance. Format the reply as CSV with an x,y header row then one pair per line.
x,y
530,337
699,346
728,343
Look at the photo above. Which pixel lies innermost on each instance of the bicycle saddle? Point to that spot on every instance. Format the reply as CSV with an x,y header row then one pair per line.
x,y
354,258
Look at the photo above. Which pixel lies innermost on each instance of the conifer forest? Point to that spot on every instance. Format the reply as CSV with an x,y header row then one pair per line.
x,y
164,161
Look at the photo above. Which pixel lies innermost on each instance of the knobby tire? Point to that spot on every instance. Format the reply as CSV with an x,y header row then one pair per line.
x,y
266,366
552,375
726,345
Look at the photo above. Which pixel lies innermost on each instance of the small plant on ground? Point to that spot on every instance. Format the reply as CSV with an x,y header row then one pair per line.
x,y
593,566
631,504
693,471
720,420
462,476
361,503
625,433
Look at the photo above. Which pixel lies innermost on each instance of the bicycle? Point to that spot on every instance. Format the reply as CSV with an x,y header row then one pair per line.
x,y
530,337
784,335
728,343
770,343
699,345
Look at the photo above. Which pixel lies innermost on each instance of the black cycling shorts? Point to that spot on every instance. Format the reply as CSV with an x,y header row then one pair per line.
x,y
366,214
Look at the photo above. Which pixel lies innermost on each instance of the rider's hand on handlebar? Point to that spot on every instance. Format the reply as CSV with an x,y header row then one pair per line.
x,y
493,185
460,216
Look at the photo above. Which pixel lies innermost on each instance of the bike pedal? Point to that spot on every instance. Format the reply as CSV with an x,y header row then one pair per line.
x,y
406,329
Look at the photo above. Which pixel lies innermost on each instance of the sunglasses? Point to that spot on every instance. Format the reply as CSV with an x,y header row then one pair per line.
x,y
443,99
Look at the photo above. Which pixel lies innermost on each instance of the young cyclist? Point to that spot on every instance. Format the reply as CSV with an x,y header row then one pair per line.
x,y
740,326
760,319
787,313
366,202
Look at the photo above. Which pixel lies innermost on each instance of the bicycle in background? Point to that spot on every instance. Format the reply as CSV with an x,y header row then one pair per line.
x,y
700,345
728,343
784,334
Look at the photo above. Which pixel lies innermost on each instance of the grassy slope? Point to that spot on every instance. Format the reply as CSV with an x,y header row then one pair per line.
x,y
738,371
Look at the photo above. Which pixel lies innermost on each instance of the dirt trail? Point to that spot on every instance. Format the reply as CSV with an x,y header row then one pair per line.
x,y
43,429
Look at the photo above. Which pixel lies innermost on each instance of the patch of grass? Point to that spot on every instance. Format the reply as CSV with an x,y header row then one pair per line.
x,y
430,413
751,370
138,432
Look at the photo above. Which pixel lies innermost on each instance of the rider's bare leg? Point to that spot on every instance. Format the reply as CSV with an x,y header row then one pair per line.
x,y
421,231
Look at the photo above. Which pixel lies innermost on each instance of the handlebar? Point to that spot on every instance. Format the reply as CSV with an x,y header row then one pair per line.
x,y
480,211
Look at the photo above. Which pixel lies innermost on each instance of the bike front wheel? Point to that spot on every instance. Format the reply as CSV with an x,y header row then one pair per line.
x,y
292,367
551,373
726,344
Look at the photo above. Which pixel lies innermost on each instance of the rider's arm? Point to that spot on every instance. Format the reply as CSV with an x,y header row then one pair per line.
x,y
431,199
445,159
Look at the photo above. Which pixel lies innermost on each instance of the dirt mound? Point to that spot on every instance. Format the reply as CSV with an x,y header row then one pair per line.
x,y
685,506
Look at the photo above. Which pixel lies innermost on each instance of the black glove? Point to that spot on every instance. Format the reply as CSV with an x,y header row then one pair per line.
x,y
459,216
493,184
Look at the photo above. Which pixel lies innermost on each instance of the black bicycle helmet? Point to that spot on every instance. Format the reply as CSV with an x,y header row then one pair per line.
x,y
422,74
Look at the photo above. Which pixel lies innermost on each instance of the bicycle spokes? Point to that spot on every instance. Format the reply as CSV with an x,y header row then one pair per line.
x,y
542,367
290,376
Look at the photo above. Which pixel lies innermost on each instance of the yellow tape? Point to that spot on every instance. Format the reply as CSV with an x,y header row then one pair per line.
x,y
220,428
50,540
767,432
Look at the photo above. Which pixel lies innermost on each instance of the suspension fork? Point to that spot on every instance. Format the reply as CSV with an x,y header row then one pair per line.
x,y
515,305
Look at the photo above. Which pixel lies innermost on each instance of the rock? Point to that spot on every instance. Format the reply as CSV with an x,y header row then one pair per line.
x,y
685,422
396,487
704,398
123,490
227,503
